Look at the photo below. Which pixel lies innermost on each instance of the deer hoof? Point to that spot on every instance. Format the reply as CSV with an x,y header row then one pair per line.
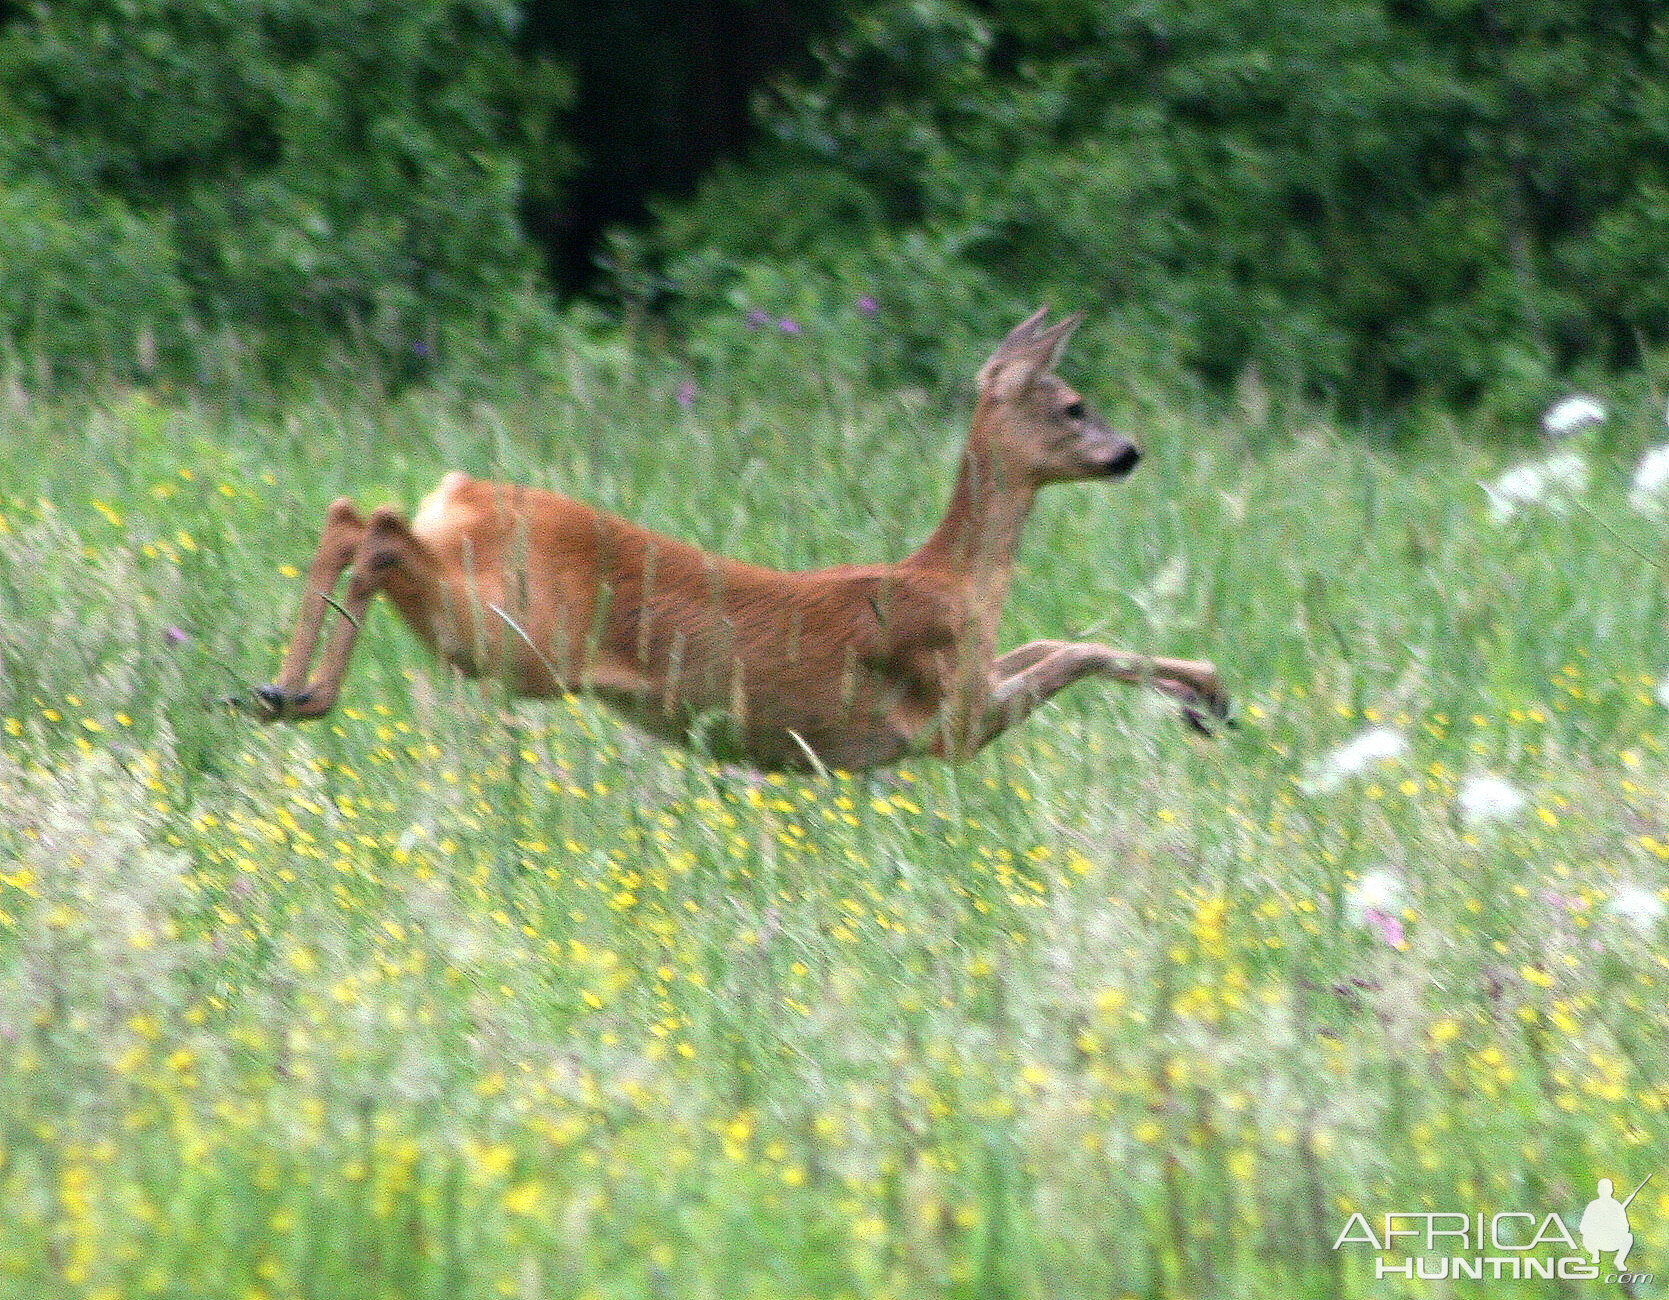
x,y
1206,713
270,703
1197,723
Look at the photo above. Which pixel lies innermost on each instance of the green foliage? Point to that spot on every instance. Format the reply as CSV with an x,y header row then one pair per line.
x,y
1361,199
291,173
83,282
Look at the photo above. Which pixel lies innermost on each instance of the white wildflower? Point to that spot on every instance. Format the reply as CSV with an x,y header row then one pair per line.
x,y
1663,692
1553,484
1638,906
1381,892
1485,799
1648,490
1571,416
1355,756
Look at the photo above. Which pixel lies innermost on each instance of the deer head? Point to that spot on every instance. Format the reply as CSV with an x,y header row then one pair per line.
x,y
1033,425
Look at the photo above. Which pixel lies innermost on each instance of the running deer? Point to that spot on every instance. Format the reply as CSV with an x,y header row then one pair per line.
x,y
850,667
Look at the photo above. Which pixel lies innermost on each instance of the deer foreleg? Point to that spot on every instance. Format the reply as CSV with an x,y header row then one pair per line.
x,y
1027,677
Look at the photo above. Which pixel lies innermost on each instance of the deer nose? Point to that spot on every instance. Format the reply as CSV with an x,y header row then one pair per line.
x,y
1124,460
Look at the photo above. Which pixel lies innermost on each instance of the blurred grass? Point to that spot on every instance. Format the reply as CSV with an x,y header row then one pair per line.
x,y
454,997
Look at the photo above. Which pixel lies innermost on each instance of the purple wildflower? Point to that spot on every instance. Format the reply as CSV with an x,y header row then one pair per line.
x,y
867,306
685,393
788,325
175,636
757,319
1386,925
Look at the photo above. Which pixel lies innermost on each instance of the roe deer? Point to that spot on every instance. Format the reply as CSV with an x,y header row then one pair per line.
x,y
849,667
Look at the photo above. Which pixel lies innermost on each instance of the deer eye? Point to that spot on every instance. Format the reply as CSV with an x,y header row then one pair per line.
x,y
1074,410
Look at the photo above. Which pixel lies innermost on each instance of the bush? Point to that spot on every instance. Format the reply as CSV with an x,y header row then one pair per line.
x,y
90,286
295,174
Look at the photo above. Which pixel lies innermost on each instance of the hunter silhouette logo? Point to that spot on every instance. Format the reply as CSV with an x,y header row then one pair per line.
x,y
1604,1225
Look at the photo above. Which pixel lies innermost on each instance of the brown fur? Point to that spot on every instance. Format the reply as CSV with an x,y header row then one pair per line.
x,y
850,667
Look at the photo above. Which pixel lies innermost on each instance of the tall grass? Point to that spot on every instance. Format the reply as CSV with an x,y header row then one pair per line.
x,y
450,996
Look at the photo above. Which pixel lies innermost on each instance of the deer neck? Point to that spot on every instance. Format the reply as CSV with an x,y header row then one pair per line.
x,y
975,543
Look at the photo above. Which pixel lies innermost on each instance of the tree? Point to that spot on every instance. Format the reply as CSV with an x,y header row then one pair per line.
x,y
290,171
1368,199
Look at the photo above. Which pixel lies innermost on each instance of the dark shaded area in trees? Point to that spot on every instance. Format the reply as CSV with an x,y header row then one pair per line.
x,y
661,91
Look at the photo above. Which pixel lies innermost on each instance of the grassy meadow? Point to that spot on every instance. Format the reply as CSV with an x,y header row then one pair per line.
x,y
449,996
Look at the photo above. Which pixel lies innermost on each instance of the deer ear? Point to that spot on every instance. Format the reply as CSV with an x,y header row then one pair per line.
x,y
1026,355
1059,336
1026,330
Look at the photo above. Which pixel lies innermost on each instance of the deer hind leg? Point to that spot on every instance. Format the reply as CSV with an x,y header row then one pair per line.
x,y
1027,677
343,534
379,553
